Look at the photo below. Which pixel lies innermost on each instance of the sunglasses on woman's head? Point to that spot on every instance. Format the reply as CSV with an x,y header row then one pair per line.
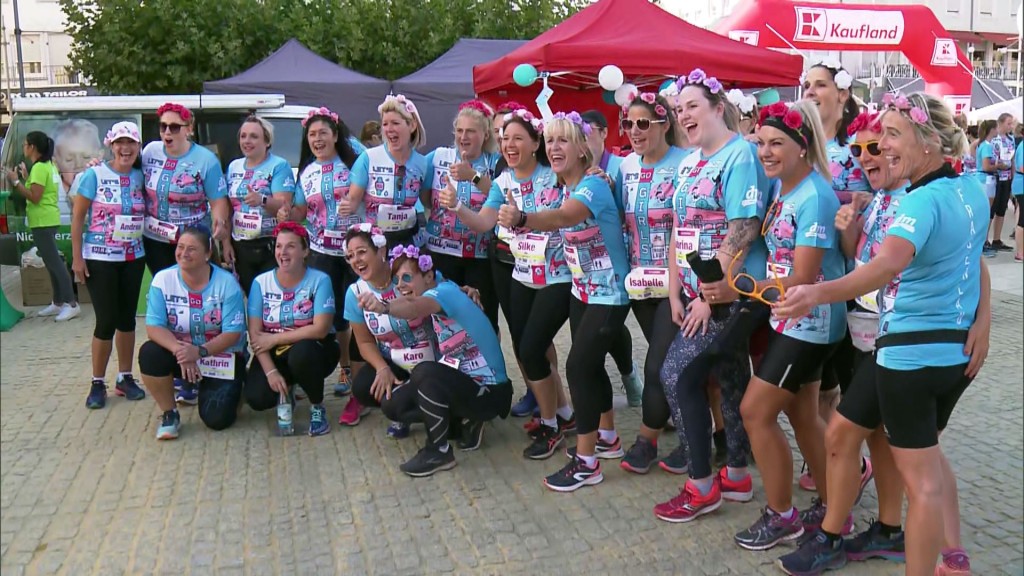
x,y
643,124
172,128
872,145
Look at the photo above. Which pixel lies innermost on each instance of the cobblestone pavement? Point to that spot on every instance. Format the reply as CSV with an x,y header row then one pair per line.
x,y
91,492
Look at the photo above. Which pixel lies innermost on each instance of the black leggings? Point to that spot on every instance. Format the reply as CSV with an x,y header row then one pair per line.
x,y
475,272
306,364
114,287
446,395
655,320
252,258
401,407
159,255
341,276
1020,212
1004,189
218,399
501,276
838,370
535,317
593,327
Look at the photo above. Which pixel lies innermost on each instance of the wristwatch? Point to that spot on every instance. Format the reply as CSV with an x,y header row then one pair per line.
x,y
264,200
203,352
476,178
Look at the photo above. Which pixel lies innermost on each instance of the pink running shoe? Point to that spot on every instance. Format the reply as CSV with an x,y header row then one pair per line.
x,y
954,563
807,482
865,477
353,413
735,490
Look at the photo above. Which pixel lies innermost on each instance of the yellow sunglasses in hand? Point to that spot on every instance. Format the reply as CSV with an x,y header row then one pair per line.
x,y
745,284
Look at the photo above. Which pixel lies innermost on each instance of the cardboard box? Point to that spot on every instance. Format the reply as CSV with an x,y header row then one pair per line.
x,y
35,286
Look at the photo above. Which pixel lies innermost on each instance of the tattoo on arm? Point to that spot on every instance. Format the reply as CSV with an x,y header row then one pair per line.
x,y
742,232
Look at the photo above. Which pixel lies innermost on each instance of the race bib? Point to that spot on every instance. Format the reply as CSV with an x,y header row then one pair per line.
x,y
160,230
687,240
334,240
530,248
506,235
647,283
246,225
870,300
220,367
408,358
451,362
128,229
572,258
392,218
775,270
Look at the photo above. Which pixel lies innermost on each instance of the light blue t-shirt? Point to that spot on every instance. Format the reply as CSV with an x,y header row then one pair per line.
x,y
287,309
847,175
878,216
594,248
710,191
180,189
113,226
357,146
197,318
465,339
404,342
806,217
985,150
946,220
391,190
271,176
613,166
446,234
1018,164
644,193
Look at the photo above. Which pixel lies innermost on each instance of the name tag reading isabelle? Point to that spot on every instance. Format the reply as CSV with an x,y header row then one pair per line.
x,y
408,358
246,225
687,240
160,230
221,366
392,218
647,283
128,228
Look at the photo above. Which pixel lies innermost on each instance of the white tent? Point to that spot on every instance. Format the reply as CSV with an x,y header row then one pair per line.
x,y
1015,107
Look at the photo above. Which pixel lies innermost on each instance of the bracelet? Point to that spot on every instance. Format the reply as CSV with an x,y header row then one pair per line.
x,y
522,220
274,371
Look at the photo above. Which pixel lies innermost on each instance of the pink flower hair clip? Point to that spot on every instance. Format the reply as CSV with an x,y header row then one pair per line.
x,y
424,261
576,119
527,116
902,104
402,101
322,112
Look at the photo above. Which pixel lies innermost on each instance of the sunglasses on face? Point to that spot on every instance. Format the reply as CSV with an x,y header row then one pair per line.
x,y
403,279
643,124
745,284
171,128
856,149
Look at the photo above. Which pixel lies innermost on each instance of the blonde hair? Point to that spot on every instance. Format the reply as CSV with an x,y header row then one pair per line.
x,y
731,115
268,128
419,134
486,123
573,133
817,157
940,128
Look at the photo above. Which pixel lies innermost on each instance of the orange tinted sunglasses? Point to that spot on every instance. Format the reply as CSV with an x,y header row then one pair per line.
x,y
745,284
770,216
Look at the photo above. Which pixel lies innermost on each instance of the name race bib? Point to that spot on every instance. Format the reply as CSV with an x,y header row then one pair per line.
x,y
220,367
451,362
530,252
408,358
334,240
869,301
160,230
687,240
392,218
246,225
128,229
647,283
775,270
572,258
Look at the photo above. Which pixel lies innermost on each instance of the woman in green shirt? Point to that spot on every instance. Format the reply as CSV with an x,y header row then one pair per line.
x,y
40,189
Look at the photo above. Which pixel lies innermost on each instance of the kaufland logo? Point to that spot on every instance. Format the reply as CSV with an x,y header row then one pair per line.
x,y
848,26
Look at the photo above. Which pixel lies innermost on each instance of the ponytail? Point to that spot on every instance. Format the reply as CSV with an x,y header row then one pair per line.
x,y
42,143
850,112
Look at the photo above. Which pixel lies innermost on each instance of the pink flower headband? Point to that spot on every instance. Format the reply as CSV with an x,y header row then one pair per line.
x,y
180,110
478,106
865,121
901,104
376,236
402,102
526,115
648,98
511,106
698,77
321,111
424,262
576,119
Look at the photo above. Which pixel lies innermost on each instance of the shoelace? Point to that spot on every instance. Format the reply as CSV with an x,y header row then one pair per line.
x,y
682,499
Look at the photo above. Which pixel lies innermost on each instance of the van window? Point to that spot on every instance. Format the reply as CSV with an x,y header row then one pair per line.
x,y
287,139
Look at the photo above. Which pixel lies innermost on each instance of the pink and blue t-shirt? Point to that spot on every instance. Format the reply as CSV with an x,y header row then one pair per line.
x,y
392,190
321,186
446,234
272,176
179,189
644,194
847,175
285,309
405,342
465,339
197,317
114,224
594,249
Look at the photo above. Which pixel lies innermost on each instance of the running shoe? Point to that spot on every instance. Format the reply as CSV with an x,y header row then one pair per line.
x,y
344,385
998,246
690,504
318,424
735,490
545,441
954,563
806,480
127,387
51,310
769,530
867,473
353,413
472,435
640,456
68,311
574,475
97,397
427,461
872,543
398,430
812,517
676,462
170,424
189,394
633,384
565,426
526,405
178,384
814,556
603,450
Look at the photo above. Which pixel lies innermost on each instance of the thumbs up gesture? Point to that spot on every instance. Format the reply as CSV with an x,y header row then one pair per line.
x,y
509,214
285,212
448,197
346,207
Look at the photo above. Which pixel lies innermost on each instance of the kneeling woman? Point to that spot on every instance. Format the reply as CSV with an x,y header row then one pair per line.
x,y
195,319
468,380
291,315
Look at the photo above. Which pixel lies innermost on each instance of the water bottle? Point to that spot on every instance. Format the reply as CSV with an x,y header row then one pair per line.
x,y
284,416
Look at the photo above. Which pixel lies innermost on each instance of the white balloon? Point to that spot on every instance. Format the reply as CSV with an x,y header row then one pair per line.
x,y
610,77
624,94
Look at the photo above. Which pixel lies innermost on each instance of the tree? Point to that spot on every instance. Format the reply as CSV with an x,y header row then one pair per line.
x,y
173,46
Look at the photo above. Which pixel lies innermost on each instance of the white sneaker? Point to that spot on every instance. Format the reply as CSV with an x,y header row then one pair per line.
x,y
68,311
51,310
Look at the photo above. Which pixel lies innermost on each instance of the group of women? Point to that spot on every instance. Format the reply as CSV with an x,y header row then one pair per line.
x,y
769,273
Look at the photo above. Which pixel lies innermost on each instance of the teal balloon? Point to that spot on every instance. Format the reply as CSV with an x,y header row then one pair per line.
x,y
666,84
768,97
524,75
608,96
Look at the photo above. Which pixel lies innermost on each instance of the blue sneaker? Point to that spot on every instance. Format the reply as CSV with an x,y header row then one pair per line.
x,y
344,385
178,384
127,387
189,394
398,430
814,556
318,424
872,543
170,423
634,386
525,406
97,395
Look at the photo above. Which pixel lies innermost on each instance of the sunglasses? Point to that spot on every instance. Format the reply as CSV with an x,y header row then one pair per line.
x,y
872,145
643,124
404,278
770,216
745,284
172,128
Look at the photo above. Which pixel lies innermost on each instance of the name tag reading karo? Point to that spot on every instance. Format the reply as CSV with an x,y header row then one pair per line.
x,y
220,367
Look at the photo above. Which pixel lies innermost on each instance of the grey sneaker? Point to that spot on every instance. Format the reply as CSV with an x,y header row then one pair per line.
x,y
429,460
769,530
640,456
676,462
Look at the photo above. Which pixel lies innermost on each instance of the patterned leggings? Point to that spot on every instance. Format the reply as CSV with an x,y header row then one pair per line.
x,y
684,376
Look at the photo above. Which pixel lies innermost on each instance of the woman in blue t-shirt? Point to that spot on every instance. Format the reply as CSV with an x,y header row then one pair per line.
x,y
291,313
1017,188
195,319
595,254
935,317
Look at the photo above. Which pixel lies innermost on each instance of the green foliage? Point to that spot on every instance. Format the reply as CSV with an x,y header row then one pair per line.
x,y
173,46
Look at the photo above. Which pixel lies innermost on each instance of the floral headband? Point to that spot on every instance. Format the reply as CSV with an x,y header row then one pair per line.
x,y
576,119
321,111
424,262
865,121
511,106
376,236
697,76
402,102
478,106
781,116
840,76
288,226
745,102
180,110
901,104
648,98
527,116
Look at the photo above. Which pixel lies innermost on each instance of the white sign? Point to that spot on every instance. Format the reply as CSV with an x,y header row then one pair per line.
x,y
959,104
837,26
746,36
944,52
